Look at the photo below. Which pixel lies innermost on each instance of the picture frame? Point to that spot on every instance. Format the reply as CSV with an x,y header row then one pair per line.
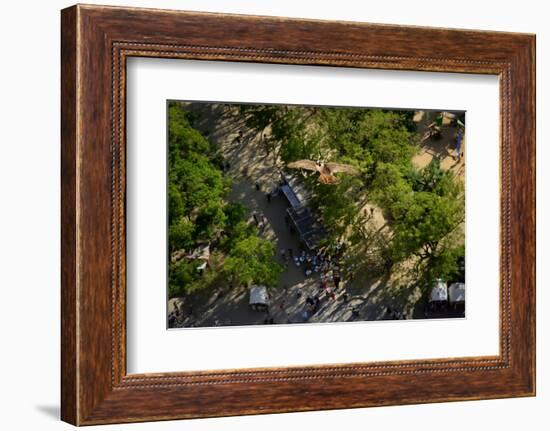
x,y
96,41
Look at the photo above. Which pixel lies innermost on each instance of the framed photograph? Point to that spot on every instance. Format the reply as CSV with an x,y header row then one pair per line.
x,y
266,215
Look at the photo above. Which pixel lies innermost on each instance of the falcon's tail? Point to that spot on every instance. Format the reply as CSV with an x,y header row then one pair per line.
x,y
327,179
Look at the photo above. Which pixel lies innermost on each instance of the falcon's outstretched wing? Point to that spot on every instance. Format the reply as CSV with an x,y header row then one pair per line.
x,y
341,167
310,165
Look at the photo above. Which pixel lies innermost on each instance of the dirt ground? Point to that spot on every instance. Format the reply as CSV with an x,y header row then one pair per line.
x,y
442,148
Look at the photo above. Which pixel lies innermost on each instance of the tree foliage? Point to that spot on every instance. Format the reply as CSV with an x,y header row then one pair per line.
x,y
199,214
424,207
252,260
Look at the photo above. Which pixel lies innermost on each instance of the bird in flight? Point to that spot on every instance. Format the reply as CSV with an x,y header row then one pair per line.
x,y
326,170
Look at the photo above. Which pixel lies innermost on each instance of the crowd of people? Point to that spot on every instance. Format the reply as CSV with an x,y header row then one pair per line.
x,y
316,262
325,265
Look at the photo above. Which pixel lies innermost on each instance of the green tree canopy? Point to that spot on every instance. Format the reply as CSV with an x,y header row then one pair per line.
x,y
252,260
199,213
424,207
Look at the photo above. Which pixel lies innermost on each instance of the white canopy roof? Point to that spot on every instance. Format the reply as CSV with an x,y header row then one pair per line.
x,y
439,291
258,295
457,292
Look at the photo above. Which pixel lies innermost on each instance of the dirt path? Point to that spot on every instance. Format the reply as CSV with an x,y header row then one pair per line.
x,y
442,148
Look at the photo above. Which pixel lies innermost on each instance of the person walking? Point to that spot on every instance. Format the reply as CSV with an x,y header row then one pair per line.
x,y
458,143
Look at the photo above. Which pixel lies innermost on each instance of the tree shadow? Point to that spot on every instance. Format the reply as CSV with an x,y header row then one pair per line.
x,y
215,120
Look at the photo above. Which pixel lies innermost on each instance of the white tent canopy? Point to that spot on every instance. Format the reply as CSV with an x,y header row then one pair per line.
x,y
439,292
457,293
258,295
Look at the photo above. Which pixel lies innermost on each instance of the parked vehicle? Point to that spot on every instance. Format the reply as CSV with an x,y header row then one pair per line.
x,y
258,298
